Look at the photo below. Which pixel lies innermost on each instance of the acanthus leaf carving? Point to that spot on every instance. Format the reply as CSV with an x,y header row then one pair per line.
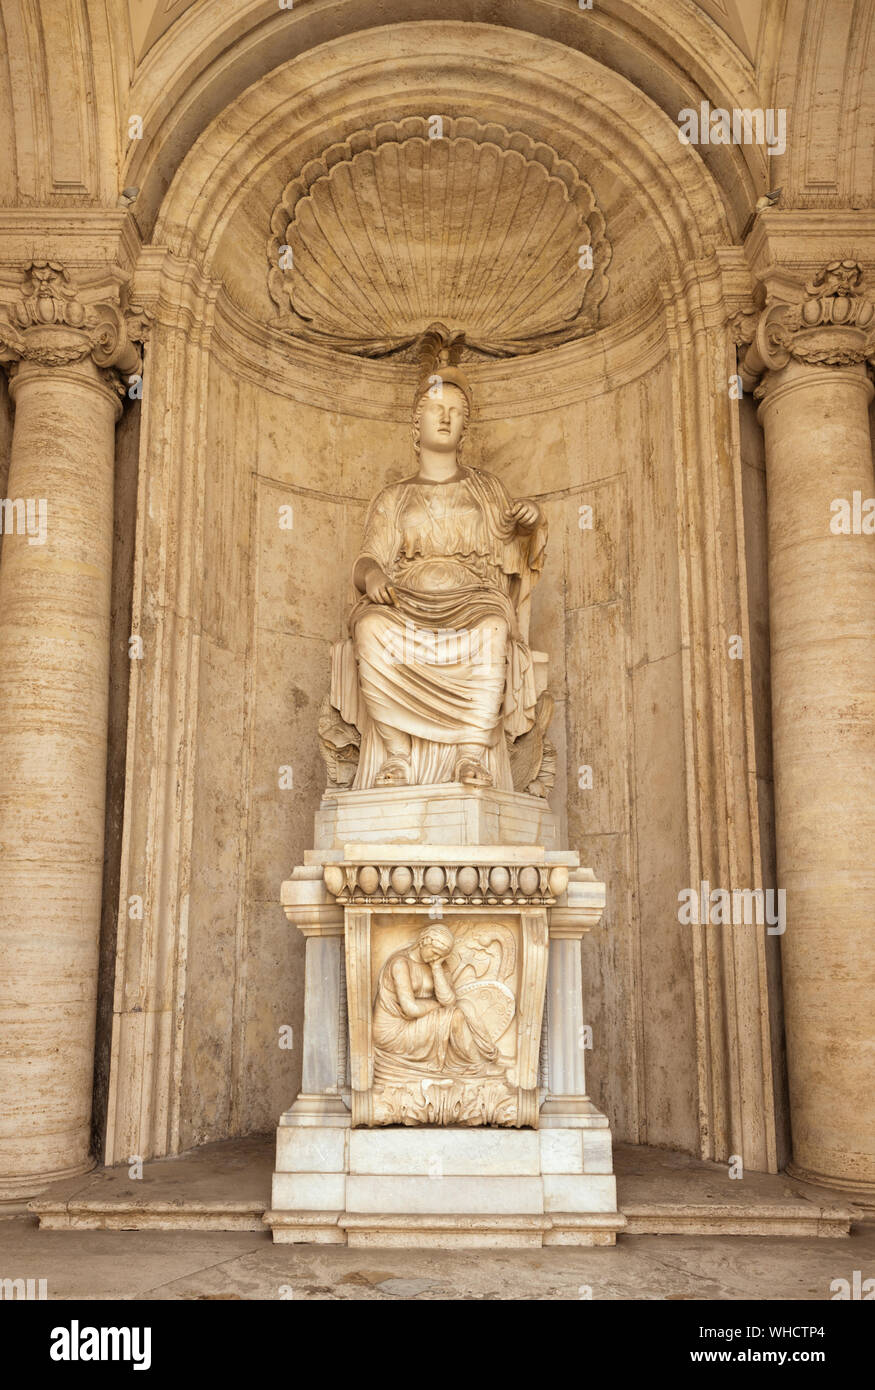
x,y
833,326
52,325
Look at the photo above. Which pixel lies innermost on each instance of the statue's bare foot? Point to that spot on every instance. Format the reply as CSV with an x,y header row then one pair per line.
x,y
473,772
395,772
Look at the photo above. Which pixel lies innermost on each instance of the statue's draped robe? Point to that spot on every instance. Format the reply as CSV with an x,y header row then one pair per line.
x,y
430,666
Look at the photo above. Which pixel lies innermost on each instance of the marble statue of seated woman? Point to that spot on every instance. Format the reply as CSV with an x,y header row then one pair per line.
x,y
437,669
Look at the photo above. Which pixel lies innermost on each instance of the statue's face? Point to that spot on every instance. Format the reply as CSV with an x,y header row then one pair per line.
x,y
431,950
442,420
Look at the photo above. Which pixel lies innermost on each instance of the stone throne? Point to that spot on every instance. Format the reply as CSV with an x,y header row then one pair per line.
x,y
443,1096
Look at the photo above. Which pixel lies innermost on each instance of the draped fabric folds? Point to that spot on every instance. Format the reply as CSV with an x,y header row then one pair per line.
x,y
449,662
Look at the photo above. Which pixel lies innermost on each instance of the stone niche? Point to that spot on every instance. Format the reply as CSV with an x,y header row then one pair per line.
x,y
619,431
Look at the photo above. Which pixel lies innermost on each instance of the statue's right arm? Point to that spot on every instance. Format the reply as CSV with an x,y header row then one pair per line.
x,y
369,573
370,579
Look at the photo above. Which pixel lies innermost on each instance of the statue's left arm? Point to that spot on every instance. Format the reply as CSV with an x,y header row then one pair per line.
x,y
525,513
521,529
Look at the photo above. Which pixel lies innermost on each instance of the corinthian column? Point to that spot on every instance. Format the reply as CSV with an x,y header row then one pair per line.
x,y
55,575
815,395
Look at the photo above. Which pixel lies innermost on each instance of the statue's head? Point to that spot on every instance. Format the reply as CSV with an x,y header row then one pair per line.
x,y
442,403
440,418
435,942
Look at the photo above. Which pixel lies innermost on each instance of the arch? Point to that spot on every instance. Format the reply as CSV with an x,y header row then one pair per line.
x,y
656,193
674,54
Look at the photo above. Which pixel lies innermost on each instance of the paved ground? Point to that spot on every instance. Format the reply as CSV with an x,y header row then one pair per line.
x,y
187,1265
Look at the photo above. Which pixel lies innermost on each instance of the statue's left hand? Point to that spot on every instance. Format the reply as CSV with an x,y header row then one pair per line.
x,y
525,513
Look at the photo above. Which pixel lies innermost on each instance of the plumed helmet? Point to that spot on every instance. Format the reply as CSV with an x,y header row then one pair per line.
x,y
439,350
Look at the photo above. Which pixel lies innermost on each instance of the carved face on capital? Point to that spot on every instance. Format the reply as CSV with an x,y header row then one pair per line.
x,y
442,419
840,279
46,278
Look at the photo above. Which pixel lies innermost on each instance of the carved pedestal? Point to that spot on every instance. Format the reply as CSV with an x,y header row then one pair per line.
x,y
443,1096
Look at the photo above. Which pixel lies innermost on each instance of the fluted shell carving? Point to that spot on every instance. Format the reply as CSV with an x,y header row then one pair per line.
x,y
482,229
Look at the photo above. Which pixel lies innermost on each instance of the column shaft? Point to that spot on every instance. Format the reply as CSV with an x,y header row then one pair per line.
x,y
565,1019
822,615
324,1049
54,662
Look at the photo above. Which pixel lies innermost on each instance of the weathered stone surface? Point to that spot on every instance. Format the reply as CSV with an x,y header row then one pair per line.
x,y
238,420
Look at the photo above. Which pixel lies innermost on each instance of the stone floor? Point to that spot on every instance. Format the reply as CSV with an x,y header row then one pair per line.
x,y
229,1183
231,1265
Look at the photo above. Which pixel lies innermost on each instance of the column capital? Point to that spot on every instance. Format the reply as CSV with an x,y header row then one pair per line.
x,y
50,322
830,322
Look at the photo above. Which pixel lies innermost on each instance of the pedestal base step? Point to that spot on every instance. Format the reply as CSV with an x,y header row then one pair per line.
x,y
445,813
445,1186
471,1231
716,1219
225,1187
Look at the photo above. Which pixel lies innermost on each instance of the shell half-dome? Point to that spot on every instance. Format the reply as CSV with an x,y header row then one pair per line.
x,y
480,228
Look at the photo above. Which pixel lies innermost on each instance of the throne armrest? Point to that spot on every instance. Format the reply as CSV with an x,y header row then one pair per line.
x,y
541,664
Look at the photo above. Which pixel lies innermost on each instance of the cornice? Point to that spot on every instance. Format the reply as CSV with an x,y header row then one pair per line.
x,y
90,240
503,389
801,240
